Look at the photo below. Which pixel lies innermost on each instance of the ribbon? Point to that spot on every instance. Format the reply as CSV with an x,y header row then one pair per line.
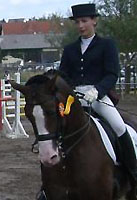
x,y
66,111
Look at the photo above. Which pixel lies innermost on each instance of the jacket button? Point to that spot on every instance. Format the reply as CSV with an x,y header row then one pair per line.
x,y
81,68
82,59
82,75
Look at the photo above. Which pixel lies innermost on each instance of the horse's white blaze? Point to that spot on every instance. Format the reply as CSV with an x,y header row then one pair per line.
x,y
47,152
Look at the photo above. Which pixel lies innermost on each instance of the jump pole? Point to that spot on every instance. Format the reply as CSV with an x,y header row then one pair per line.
x,y
16,130
6,127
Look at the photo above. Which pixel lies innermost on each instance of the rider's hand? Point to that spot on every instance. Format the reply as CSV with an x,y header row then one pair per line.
x,y
91,95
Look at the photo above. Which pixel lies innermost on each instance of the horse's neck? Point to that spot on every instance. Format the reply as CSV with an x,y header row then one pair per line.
x,y
77,119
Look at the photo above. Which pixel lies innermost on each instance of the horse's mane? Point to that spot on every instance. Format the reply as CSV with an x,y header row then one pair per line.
x,y
42,78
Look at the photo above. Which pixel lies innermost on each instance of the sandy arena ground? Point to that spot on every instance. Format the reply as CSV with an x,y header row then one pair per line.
x,y
20,177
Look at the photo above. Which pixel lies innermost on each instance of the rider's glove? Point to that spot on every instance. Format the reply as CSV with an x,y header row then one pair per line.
x,y
91,95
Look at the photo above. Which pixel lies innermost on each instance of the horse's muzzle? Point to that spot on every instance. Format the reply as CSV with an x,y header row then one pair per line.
x,y
48,154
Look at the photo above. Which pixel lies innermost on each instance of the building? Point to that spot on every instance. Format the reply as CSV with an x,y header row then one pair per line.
x,y
32,40
20,27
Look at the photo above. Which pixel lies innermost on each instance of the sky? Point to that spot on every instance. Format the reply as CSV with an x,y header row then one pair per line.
x,y
13,9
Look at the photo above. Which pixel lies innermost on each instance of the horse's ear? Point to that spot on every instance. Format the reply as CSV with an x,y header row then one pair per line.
x,y
61,83
22,88
52,84
58,83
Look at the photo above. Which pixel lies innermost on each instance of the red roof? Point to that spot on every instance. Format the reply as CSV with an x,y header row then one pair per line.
x,y
29,27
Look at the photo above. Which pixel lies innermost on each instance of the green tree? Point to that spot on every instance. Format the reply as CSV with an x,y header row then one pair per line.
x,y
56,26
119,21
62,30
71,32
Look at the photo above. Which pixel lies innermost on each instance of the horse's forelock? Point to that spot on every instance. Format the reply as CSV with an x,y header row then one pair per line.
x,y
43,78
55,80
60,81
55,73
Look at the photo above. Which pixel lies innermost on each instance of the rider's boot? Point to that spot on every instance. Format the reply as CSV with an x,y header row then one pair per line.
x,y
129,156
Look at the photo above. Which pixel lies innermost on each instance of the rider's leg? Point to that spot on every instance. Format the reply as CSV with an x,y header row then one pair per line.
x,y
129,156
112,116
106,109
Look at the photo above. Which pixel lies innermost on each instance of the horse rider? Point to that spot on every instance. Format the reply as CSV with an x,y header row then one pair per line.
x,y
92,64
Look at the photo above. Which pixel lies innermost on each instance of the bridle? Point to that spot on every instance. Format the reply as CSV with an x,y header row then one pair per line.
x,y
59,135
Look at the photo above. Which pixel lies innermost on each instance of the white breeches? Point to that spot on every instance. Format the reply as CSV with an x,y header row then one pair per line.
x,y
110,114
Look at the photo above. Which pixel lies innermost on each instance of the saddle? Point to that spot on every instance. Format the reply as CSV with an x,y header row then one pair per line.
x,y
114,96
109,131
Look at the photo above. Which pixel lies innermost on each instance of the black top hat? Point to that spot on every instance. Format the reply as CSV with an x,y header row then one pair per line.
x,y
84,10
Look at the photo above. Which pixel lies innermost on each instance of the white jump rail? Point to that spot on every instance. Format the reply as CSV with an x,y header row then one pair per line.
x,y
16,129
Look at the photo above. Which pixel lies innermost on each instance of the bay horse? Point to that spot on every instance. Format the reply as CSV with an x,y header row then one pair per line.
x,y
75,164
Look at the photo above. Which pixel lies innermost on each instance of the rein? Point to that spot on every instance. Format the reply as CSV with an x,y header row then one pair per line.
x,y
60,139
77,131
81,136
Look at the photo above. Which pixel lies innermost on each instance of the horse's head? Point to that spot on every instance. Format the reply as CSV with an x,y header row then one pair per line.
x,y
48,104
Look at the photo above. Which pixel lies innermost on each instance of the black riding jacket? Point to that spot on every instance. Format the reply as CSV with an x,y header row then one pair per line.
x,y
98,66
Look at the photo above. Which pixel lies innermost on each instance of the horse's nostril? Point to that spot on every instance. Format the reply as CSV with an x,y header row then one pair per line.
x,y
53,157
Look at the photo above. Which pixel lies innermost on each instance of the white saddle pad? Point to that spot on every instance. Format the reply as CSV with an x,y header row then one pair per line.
x,y
107,142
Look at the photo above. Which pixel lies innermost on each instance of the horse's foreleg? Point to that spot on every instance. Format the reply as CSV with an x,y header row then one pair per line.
x,y
41,196
131,195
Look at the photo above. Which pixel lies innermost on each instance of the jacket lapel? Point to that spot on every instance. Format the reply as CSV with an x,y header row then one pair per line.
x,y
93,42
78,44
